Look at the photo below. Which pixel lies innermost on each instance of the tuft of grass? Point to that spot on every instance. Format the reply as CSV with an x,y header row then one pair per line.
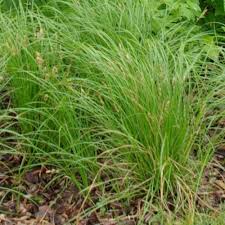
x,y
96,92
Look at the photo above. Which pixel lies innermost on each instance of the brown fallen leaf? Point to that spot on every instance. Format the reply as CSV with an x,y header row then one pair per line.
x,y
32,222
220,183
220,151
44,212
108,222
32,178
2,218
22,209
221,123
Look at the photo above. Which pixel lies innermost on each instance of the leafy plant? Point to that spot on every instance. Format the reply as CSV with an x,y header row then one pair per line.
x,y
214,11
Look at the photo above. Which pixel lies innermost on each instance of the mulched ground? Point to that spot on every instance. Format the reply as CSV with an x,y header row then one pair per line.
x,y
212,188
42,196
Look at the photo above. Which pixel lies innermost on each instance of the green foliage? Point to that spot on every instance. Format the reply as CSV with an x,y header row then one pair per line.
x,y
183,9
215,6
15,4
214,11
113,91
168,12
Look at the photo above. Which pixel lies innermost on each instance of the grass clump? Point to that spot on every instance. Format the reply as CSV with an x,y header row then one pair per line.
x,y
97,91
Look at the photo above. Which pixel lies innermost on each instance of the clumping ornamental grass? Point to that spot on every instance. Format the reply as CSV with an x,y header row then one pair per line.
x,y
96,92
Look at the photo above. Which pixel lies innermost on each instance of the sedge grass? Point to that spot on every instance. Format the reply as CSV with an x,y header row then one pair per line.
x,y
95,89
